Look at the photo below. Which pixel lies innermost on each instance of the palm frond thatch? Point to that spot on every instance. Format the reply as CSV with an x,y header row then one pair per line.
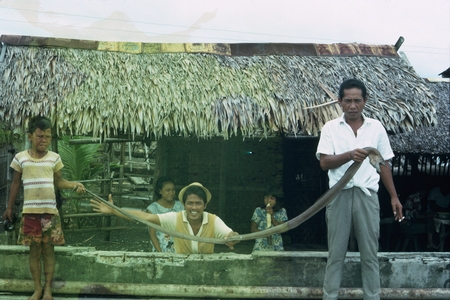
x,y
426,139
99,93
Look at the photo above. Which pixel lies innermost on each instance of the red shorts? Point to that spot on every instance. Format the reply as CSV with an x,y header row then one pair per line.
x,y
40,228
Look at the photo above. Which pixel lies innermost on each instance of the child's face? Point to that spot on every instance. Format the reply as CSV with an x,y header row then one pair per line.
x,y
40,139
270,199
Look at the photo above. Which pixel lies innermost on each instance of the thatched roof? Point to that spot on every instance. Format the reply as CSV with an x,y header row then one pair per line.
x,y
251,90
430,140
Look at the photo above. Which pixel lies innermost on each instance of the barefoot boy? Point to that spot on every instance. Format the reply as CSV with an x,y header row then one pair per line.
x,y
40,227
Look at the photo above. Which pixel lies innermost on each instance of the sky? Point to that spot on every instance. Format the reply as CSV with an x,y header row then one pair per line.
x,y
424,24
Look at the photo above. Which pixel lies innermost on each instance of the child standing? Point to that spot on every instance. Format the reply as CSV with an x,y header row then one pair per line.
x,y
265,216
40,228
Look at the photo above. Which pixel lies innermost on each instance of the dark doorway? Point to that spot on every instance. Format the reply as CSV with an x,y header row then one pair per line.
x,y
304,182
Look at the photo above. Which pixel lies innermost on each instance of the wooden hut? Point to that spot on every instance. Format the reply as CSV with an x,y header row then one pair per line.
x,y
236,117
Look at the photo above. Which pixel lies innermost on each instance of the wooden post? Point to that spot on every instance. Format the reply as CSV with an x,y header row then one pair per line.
x,y
11,236
121,170
106,185
223,178
160,159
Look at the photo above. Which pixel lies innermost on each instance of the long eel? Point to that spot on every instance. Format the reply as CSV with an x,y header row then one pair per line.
x,y
375,160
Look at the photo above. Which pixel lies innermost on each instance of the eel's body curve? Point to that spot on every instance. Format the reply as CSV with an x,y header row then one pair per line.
x,y
375,160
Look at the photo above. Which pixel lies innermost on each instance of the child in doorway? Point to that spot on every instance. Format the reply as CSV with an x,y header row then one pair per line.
x,y
269,214
40,228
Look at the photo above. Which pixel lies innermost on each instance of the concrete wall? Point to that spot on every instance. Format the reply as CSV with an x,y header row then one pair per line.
x,y
276,269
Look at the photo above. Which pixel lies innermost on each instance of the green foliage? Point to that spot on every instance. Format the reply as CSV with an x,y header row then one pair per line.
x,y
5,135
81,161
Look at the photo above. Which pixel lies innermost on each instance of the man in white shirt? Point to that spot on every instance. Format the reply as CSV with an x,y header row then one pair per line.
x,y
356,207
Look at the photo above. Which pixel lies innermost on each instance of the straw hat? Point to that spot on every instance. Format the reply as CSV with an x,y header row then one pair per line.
x,y
181,194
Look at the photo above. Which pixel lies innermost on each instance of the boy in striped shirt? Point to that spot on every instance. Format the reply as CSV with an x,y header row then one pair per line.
x,y
40,228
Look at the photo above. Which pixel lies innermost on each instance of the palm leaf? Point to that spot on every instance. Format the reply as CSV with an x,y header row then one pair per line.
x,y
81,162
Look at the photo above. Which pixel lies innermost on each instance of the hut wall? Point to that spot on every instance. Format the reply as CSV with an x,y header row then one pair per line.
x,y
236,171
304,183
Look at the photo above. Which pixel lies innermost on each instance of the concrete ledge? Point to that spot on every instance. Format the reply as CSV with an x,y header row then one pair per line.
x,y
419,270
196,291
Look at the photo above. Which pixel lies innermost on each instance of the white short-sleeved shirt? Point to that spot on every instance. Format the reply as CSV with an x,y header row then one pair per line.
x,y
169,220
337,137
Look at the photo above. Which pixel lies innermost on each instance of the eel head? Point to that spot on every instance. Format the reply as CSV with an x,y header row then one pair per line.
x,y
375,158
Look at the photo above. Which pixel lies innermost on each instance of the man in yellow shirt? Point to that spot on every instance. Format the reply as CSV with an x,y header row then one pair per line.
x,y
193,220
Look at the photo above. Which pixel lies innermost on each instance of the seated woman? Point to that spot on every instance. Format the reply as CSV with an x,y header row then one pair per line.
x,y
164,194
193,220
416,221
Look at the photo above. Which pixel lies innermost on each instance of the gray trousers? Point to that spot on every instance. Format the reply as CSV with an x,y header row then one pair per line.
x,y
352,209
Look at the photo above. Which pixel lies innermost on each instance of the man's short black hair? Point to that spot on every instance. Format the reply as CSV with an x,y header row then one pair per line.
x,y
40,122
350,84
195,190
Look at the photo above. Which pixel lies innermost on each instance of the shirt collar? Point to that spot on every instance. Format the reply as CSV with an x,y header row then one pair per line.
x,y
342,118
204,220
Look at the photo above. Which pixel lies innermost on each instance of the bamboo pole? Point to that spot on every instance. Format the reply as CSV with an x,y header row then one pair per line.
x,y
206,291
223,179
82,215
121,170
105,179
106,186
85,196
105,229
99,141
